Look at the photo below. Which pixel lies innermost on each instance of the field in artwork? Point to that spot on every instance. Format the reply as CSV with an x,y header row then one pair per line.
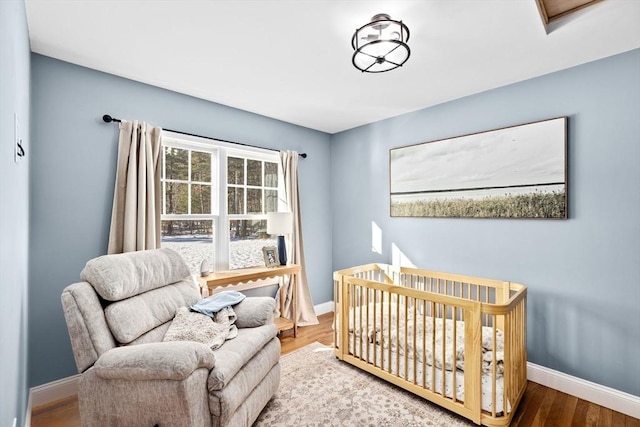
x,y
527,205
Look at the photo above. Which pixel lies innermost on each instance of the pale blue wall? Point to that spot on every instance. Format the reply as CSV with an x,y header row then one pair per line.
x,y
583,273
14,211
73,174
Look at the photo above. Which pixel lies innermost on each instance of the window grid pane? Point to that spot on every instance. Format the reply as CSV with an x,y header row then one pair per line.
x,y
200,166
254,173
271,174
193,239
200,199
254,201
235,200
247,238
235,171
176,198
176,163
270,200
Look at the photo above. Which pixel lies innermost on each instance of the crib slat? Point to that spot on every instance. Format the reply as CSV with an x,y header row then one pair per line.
x,y
406,338
415,331
381,333
367,302
454,369
444,349
353,314
494,369
514,354
424,344
512,381
433,348
398,335
345,317
336,319
389,342
375,327
361,320
523,343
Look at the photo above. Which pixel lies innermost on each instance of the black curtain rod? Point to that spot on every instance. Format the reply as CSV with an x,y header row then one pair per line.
x,y
108,119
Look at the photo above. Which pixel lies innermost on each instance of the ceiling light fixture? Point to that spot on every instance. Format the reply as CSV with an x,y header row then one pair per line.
x,y
381,45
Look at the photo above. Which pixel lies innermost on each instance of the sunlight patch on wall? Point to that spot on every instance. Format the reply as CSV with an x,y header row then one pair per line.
x,y
399,259
376,238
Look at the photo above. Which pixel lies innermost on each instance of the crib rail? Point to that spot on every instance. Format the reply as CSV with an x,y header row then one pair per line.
x,y
387,322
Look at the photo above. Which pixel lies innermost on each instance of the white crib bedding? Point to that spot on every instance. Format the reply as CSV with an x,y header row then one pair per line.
x,y
425,326
421,376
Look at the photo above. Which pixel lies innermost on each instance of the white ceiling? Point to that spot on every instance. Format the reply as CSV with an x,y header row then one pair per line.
x,y
291,59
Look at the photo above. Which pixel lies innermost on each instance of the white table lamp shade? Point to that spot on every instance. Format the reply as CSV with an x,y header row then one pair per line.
x,y
279,223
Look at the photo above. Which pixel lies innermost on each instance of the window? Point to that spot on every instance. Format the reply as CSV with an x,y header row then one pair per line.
x,y
188,215
252,191
215,200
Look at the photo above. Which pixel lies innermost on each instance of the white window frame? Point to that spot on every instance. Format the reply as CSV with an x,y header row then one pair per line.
x,y
221,150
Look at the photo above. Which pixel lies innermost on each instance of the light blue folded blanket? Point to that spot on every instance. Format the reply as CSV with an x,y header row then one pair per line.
x,y
213,304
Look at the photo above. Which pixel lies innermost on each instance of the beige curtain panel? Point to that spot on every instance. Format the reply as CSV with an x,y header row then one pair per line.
x,y
135,218
306,313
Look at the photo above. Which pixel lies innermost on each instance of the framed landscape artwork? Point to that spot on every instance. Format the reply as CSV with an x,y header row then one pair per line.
x,y
514,172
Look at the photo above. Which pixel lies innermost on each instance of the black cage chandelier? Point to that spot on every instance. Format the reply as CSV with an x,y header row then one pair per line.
x,y
381,45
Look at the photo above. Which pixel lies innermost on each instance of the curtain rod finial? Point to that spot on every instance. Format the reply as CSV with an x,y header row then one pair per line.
x,y
303,155
108,119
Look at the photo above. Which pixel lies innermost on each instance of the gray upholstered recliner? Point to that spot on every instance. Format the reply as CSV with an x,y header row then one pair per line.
x,y
117,318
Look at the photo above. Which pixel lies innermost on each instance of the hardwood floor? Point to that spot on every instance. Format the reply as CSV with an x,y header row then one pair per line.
x,y
541,406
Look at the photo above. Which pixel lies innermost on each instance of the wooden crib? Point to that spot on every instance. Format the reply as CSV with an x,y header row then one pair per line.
x,y
455,340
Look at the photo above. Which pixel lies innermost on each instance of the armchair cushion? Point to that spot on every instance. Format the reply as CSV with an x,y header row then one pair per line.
x,y
234,354
255,311
119,276
154,361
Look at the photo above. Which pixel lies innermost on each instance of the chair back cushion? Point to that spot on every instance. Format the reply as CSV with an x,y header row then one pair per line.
x,y
119,276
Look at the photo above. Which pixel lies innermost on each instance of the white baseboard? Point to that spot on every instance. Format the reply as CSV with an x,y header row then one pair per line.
x,y
55,390
601,395
325,307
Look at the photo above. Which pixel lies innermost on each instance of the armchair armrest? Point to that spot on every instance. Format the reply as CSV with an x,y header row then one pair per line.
x,y
254,311
154,361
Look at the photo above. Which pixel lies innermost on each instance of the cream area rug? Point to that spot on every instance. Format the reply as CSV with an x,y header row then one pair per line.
x,y
317,389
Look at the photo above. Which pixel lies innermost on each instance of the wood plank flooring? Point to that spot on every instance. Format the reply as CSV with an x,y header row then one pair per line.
x,y
540,406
